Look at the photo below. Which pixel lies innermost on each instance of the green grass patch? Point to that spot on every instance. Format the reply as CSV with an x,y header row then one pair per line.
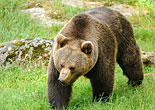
x,y
145,38
64,12
14,24
25,88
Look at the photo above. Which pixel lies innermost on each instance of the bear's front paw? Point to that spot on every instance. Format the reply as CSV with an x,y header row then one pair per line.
x,y
56,107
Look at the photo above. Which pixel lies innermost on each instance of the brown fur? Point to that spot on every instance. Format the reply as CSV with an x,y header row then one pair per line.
x,y
89,45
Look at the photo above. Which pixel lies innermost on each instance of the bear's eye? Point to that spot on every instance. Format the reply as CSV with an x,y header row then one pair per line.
x,y
63,43
72,68
61,66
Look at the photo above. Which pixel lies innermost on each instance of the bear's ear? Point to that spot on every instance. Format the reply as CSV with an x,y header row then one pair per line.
x,y
61,40
87,47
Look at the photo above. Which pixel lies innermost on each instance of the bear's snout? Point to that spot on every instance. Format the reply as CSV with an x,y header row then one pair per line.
x,y
65,76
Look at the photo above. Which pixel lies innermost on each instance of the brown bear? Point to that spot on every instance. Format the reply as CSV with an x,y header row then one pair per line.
x,y
89,45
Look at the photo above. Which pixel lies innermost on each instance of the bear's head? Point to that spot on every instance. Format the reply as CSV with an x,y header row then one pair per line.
x,y
73,58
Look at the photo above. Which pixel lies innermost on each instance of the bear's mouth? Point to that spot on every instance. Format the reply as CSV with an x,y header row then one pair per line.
x,y
62,82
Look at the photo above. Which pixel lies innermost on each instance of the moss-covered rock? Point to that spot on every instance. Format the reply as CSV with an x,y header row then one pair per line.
x,y
1,46
25,50
18,43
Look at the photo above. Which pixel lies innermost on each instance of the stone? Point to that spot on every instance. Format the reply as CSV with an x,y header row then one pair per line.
x,y
148,58
40,15
25,49
36,13
126,10
73,3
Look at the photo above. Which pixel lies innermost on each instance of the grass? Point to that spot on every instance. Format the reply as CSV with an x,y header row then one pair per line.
x,y
64,12
24,88
145,36
16,25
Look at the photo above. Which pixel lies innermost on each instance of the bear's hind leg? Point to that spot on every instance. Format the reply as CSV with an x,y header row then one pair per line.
x,y
129,60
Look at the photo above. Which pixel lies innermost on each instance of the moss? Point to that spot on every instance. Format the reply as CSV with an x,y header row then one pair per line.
x,y
38,51
12,54
46,51
29,39
14,48
24,52
48,38
19,43
1,46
